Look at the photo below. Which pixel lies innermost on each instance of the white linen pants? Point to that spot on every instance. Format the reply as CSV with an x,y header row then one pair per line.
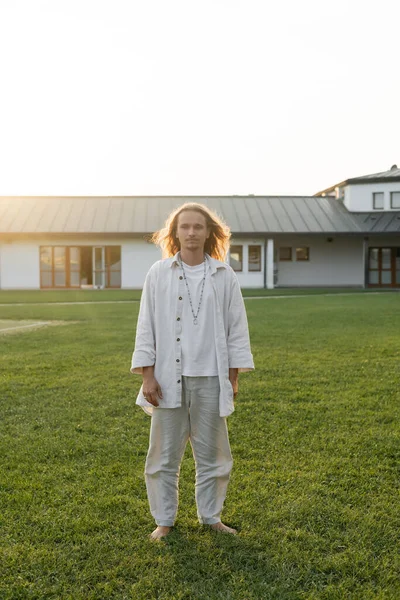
x,y
196,420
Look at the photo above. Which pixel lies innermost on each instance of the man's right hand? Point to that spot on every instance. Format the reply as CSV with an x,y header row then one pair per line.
x,y
151,388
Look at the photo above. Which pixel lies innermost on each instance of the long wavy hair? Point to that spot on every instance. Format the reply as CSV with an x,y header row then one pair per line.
x,y
217,244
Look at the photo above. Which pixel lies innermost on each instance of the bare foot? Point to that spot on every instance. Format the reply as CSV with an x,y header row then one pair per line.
x,y
223,528
160,532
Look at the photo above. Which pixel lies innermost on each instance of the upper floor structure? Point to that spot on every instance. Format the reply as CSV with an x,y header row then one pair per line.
x,y
370,193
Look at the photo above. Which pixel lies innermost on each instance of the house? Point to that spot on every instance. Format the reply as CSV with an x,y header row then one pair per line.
x,y
345,235
374,202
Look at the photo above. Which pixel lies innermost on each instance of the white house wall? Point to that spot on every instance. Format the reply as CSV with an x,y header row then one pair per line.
x,y
137,256
358,198
20,261
19,266
142,255
387,241
336,263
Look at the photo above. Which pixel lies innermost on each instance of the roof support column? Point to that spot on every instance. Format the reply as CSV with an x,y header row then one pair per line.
x,y
270,264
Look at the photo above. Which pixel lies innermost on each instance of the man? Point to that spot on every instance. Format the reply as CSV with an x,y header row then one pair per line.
x,y
191,342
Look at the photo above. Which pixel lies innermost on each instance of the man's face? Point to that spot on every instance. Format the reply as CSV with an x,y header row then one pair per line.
x,y
191,230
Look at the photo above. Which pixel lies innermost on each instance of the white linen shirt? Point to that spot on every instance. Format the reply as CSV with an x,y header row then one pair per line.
x,y
159,327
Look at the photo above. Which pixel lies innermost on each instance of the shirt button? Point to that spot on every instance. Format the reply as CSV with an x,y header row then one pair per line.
x,y
178,339
180,297
179,380
181,277
178,319
177,360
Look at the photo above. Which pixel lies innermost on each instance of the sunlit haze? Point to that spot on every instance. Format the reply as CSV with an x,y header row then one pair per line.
x,y
216,97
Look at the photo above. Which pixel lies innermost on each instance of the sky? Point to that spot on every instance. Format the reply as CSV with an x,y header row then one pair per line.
x,y
196,97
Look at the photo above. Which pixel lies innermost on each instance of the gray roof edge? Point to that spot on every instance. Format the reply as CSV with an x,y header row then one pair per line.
x,y
362,180
383,176
146,234
159,197
376,212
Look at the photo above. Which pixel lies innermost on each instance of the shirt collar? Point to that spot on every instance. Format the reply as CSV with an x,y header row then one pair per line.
x,y
213,262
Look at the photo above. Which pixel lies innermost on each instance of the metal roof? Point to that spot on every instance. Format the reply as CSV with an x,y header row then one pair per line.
x,y
379,222
141,214
393,174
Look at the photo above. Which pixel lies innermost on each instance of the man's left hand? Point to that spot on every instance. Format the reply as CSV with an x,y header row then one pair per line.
x,y
234,379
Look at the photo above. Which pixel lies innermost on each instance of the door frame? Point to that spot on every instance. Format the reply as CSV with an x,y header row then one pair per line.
x,y
101,271
380,269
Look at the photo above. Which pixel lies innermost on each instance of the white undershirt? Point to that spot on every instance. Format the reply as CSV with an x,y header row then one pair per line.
x,y
199,357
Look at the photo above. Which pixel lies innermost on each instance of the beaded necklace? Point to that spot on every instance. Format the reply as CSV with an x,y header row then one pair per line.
x,y
188,290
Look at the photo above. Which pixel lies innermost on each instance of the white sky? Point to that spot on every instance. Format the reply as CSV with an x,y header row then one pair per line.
x,y
119,97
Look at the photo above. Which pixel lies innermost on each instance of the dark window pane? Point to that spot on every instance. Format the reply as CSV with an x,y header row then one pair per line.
x,y
59,258
74,258
374,277
75,278
386,258
377,200
395,200
113,258
303,253
45,279
115,279
45,258
59,279
285,253
98,259
98,278
254,258
373,258
397,265
235,258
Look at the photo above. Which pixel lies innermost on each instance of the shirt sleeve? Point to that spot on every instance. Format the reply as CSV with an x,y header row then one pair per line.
x,y
144,354
238,340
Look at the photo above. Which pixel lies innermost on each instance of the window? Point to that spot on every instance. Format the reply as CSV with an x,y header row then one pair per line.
x,y
98,266
46,266
303,253
285,253
113,266
59,266
394,199
254,258
377,200
76,266
236,258
59,262
384,267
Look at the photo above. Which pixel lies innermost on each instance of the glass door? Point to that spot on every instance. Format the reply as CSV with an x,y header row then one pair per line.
x,y
384,267
74,266
60,263
98,267
113,266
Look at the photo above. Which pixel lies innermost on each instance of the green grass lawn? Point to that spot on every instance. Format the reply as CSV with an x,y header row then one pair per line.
x,y
315,438
27,296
